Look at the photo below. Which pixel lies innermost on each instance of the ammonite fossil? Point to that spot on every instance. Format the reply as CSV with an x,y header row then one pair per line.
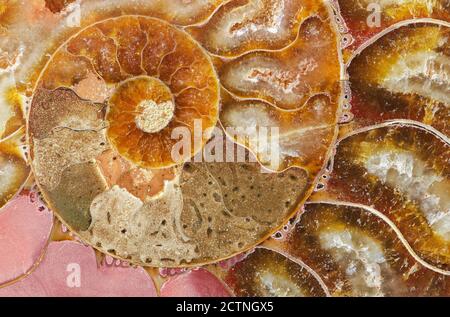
x,y
225,147
104,158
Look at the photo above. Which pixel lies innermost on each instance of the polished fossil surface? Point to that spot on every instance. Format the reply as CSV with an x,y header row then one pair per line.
x,y
95,95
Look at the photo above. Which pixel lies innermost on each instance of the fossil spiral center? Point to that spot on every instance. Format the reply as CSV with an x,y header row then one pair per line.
x,y
147,99
154,117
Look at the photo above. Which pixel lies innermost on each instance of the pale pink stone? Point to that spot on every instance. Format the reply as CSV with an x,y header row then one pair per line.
x,y
195,283
70,269
25,226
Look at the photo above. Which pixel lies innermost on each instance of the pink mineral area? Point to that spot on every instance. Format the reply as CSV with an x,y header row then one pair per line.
x,y
70,269
165,272
195,283
25,227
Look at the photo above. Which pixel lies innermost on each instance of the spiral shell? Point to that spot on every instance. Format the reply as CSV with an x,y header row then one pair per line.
x,y
111,98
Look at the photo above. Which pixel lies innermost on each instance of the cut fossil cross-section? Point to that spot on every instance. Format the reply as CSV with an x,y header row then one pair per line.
x,y
401,171
101,128
357,253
